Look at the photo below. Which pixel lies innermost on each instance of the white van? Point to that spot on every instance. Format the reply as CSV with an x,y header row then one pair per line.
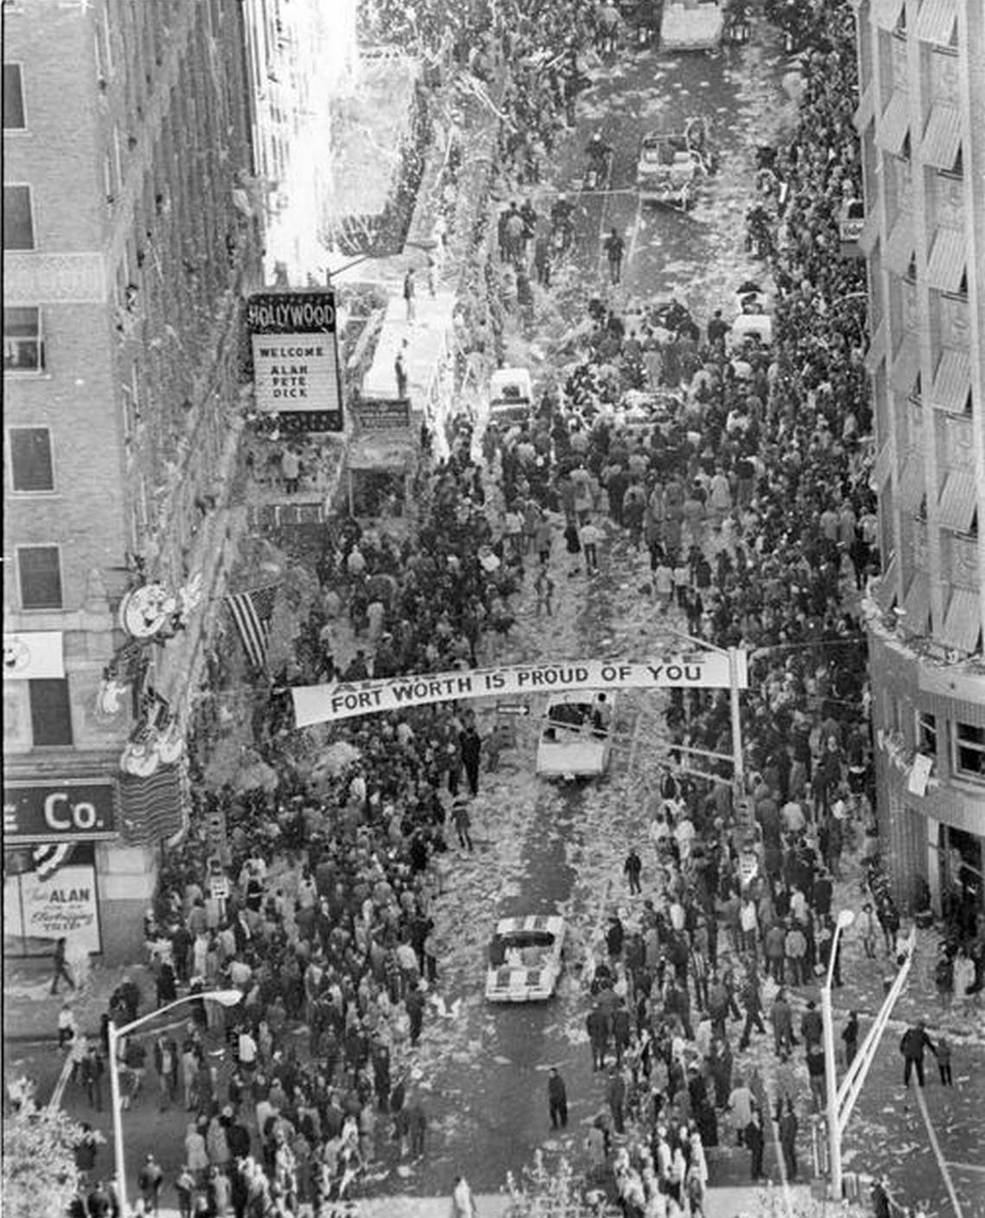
x,y
576,735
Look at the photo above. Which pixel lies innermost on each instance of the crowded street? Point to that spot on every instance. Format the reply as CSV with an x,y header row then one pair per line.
x,y
669,494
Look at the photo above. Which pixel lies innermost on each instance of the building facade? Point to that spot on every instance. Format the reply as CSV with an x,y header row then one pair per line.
x,y
131,233
921,119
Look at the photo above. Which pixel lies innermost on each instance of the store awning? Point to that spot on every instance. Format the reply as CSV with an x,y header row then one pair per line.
x,y
952,384
911,484
887,13
906,365
916,603
936,21
865,110
382,452
942,138
900,246
885,589
948,260
958,501
893,124
963,622
877,348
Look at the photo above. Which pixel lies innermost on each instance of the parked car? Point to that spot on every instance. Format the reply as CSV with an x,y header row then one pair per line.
x,y
576,738
525,958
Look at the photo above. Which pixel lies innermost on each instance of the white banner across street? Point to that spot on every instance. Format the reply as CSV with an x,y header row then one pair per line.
x,y
341,700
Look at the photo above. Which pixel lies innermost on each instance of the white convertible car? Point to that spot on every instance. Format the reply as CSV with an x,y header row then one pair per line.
x,y
525,958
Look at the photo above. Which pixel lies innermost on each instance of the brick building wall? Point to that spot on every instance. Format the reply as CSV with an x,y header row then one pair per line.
x,y
132,234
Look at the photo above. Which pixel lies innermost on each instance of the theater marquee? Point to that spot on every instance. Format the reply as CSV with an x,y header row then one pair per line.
x,y
295,358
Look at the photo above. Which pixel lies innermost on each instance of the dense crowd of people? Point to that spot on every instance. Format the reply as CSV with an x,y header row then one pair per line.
x,y
740,475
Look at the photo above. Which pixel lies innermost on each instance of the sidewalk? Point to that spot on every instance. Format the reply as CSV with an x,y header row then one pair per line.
x,y
30,1011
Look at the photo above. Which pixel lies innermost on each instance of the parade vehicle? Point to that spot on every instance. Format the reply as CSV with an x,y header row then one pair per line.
x,y
691,25
575,739
525,958
511,396
671,165
753,322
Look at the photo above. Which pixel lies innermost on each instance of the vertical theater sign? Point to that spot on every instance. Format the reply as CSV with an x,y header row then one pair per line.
x,y
295,359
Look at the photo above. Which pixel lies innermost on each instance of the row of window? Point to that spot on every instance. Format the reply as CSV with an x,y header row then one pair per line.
x,y
968,745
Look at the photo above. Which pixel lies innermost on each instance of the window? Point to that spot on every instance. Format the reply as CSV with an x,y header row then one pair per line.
x,y
31,467
969,750
39,568
18,223
23,350
51,713
13,98
927,733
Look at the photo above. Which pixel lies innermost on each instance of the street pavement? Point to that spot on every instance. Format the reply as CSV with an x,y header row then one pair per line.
x,y
481,1070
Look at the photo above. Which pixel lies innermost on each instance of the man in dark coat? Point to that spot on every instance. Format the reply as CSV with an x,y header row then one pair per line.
x,y
471,748
755,1142
912,1045
615,1093
632,868
557,1100
597,1024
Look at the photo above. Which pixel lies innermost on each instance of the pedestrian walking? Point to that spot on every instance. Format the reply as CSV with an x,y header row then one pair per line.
x,y
944,1061
544,590
869,927
755,1143
614,247
632,868
589,536
615,1094
59,970
849,1035
184,1187
781,1019
92,1071
557,1100
597,1024
462,1202
149,1182
787,1130
410,293
462,821
471,748
912,1045
400,370
67,1028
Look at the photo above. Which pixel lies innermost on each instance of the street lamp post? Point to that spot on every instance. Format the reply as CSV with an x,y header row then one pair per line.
x,y
845,918
227,998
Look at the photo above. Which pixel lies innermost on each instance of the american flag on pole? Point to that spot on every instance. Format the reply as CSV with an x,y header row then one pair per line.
x,y
252,612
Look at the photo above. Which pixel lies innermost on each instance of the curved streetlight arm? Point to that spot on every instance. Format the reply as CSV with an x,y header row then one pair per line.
x,y
228,998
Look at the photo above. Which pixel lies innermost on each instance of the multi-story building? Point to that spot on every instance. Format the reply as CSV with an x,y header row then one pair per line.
x,y
130,232
921,119
299,55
